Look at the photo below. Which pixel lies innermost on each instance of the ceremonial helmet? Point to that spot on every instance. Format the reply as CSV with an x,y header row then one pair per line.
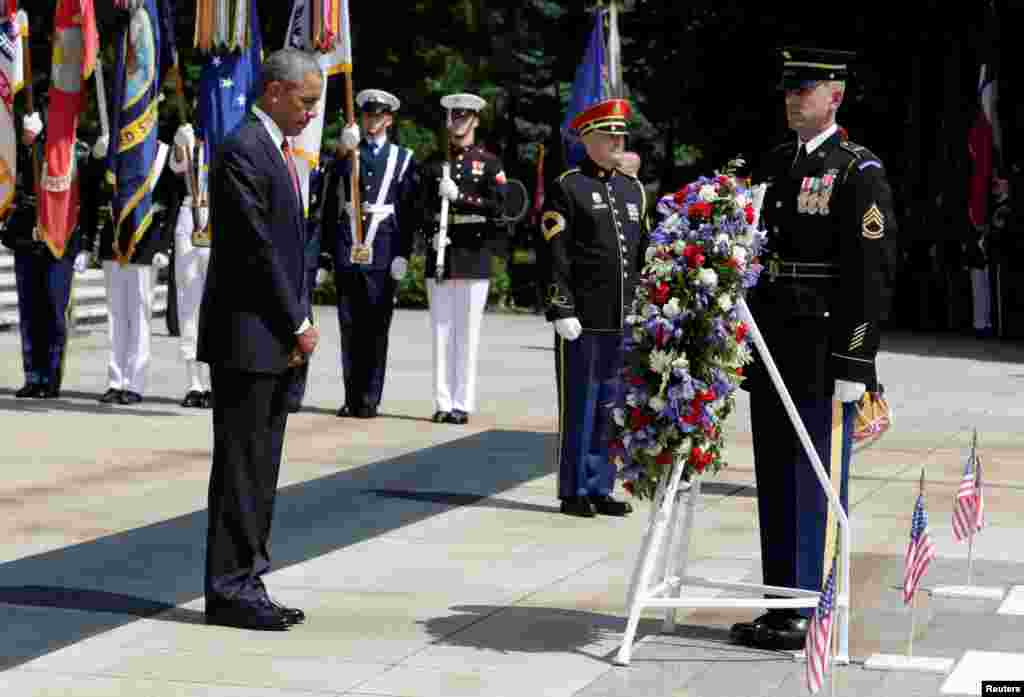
x,y
608,116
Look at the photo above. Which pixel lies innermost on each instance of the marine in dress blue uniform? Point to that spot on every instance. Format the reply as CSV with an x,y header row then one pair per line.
x,y
828,209
594,225
43,279
367,274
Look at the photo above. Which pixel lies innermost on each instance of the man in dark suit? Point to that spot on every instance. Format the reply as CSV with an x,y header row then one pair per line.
x,y
254,329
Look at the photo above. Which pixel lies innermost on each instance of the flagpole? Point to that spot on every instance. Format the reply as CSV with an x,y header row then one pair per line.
x,y
974,526
913,598
350,117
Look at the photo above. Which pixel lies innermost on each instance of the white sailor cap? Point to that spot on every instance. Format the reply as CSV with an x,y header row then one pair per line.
x,y
377,101
462,102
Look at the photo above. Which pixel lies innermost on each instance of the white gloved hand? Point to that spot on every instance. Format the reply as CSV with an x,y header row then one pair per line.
x,y
448,189
32,124
847,391
321,276
160,260
568,328
399,266
100,147
185,137
350,137
81,262
202,217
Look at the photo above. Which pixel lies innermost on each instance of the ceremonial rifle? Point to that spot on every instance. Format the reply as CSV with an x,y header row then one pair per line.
x,y
191,175
442,227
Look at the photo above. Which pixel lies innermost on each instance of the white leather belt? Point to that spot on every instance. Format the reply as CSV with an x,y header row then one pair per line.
x,y
457,219
372,209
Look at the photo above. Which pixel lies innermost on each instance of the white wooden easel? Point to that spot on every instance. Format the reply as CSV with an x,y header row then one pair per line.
x,y
661,570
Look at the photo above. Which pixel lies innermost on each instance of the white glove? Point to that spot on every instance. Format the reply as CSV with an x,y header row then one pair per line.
x,y
81,262
350,137
399,265
202,217
160,260
185,137
847,391
568,328
448,189
99,148
321,276
33,124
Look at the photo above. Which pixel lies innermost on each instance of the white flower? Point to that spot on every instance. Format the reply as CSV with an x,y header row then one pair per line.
x,y
708,193
723,239
633,320
660,361
619,416
740,255
671,309
707,277
742,201
639,334
657,404
649,254
681,363
746,238
631,400
725,302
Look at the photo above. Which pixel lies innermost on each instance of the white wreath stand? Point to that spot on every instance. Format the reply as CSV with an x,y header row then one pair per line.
x,y
661,570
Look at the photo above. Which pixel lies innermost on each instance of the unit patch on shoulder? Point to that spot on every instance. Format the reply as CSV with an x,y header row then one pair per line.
x,y
551,223
874,223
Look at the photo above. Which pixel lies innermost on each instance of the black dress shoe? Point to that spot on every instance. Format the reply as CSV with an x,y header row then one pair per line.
x,y
260,615
292,615
193,400
440,417
457,417
129,397
208,400
111,396
47,392
778,630
366,413
579,506
29,390
346,411
606,505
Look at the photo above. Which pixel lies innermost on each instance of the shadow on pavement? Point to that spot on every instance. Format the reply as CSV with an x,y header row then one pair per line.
x,y
952,345
152,569
8,402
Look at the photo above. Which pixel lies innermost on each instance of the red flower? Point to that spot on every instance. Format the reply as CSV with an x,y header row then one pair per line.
x,y
638,419
679,197
699,210
692,418
749,210
664,457
699,466
637,380
660,293
628,486
616,445
706,396
739,371
741,331
693,255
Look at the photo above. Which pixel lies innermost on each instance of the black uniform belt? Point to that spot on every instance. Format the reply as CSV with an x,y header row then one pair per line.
x,y
801,269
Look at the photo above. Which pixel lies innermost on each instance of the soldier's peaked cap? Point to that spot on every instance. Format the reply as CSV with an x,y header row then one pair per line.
x,y
463,102
377,101
609,116
803,67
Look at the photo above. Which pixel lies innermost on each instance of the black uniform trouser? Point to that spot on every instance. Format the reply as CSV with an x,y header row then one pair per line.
x,y
249,417
366,304
44,288
791,505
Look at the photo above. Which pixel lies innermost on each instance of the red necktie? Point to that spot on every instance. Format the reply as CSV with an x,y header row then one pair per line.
x,y
287,151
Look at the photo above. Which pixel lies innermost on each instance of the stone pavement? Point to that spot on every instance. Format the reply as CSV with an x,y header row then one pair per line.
x,y
431,559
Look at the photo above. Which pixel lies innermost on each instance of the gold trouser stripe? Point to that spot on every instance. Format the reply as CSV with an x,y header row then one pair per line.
x,y
835,474
561,401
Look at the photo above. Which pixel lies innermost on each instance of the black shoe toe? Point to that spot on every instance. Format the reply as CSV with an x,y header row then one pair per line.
x,y
366,413
193,400
345,411
28,391
111,396
579,506
129,397
459,418
606,505
47,392
440,417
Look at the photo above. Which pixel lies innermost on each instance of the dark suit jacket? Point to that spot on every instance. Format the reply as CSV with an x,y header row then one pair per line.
x,y
256,292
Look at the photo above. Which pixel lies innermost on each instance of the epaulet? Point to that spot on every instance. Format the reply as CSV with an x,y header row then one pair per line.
x,y
565,174
858,151
782,146
862,157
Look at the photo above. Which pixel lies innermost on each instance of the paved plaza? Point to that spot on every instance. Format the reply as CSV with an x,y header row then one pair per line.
x,y
431,559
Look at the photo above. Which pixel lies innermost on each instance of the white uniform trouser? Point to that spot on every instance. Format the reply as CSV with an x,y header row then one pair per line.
x,y
190,266
456,313
982,292
130,312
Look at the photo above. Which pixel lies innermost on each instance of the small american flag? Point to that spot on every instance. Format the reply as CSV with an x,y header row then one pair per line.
x,y
819,634
920,551
968,509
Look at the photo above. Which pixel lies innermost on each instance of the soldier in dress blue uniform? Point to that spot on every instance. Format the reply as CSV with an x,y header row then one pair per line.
x,y
367,274
43,278
474,189
828,209
594,224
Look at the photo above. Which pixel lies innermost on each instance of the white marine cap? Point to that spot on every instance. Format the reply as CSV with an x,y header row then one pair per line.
x,y
377,101
463,102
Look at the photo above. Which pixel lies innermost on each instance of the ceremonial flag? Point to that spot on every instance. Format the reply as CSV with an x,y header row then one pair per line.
x,y
538,190
979,146
968,507
920,550
587,89
13,30
305,147
133,164
819,634
75,45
